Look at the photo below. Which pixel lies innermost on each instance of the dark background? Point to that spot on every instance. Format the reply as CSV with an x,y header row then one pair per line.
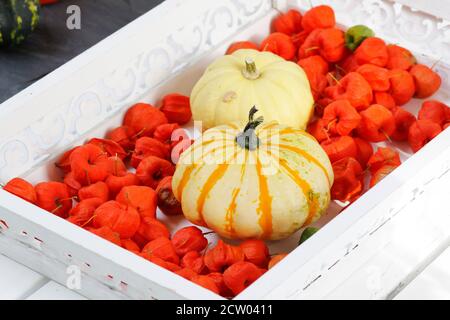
x,y
52,44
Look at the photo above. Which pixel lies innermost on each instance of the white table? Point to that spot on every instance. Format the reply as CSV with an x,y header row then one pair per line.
x,y
19,282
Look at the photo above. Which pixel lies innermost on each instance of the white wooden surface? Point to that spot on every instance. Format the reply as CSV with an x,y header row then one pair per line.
x,y
432,283
19,282
54,291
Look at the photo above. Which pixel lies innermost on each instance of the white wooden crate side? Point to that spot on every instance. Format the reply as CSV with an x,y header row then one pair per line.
x,y
50,245
111,81
417,234
393,21
308,264
439,8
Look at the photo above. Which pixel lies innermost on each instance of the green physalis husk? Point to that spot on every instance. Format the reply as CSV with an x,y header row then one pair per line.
x,y
356,35
307,233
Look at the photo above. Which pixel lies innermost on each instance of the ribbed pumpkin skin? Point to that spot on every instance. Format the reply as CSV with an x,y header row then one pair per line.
x,y
281,93
238,199
18,18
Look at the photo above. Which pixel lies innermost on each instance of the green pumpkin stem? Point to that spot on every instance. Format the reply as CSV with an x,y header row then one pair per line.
x,y
248,138
250,72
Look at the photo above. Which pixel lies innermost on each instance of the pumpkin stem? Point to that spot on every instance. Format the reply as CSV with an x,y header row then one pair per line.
x,y
250,72
248,139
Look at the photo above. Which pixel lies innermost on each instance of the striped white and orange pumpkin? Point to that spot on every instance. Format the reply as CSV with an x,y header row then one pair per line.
x,y
267,193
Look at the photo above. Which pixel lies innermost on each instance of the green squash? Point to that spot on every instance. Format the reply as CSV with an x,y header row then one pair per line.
x,y
18,18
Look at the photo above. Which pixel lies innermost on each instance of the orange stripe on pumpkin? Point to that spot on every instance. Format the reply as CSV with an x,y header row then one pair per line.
x,y
228,135
307,191
217,174
230,213
270,125
184,180
310,158
189,169
194,147
296,131
269,134
265,203
286,131
229,217
265,133
305,187
232,125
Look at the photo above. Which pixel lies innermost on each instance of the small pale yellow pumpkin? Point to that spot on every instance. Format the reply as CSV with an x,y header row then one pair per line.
x,y
248,77
261,183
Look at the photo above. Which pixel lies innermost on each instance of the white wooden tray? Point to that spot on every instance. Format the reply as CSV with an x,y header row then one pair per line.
x,y
167,50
